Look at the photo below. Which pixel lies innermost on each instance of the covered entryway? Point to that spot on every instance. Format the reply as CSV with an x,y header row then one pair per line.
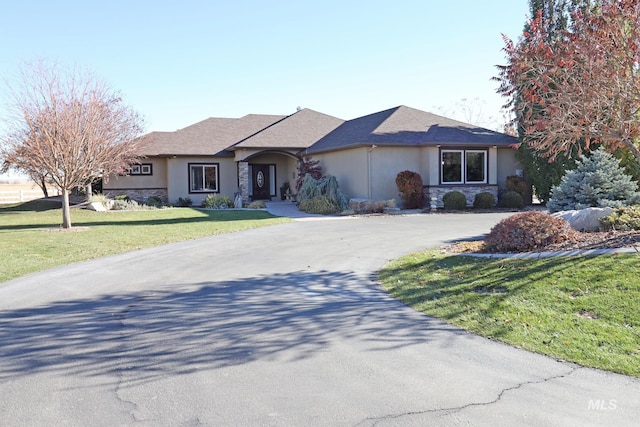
x,y
262,179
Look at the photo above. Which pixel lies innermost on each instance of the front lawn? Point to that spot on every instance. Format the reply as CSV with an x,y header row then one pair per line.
x,y
31,240
580,309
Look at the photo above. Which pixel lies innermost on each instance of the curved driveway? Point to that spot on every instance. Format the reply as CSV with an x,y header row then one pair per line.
x,y
282,325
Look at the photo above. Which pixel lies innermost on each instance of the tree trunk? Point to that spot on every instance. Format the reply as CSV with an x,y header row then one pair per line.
x,y
43,186
66,212
88,191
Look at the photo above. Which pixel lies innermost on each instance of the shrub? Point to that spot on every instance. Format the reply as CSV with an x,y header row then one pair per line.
x,y
319,205
125,205
410,187
257,204
325,186
624,218
124,197
484,200
598,181
518,184
99,198
511,200
184,203
217,201
454,201
527,231
154,201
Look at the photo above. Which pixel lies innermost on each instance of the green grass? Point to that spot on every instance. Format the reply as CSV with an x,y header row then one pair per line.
x,y
30,239
580,309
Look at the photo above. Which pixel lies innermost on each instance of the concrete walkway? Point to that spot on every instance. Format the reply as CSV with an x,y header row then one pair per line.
x,y
282,325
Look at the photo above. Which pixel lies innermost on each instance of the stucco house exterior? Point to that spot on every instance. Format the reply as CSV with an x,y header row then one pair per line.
x,y
256,154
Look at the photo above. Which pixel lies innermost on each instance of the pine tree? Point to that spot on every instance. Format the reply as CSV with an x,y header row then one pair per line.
x,y
597,181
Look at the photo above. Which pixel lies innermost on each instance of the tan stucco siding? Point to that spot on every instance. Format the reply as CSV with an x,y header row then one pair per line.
x,y
386,163
157,180
507,165
432,155
370,172
350,169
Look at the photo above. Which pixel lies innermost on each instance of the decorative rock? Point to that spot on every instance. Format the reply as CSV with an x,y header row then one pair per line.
x,y
364,206
96,206
584,219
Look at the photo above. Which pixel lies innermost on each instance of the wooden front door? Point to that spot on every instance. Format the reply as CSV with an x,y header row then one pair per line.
x,y
261,184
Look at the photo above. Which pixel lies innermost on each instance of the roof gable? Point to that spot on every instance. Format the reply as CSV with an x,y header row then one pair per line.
x,y
211,136
299,130
405,126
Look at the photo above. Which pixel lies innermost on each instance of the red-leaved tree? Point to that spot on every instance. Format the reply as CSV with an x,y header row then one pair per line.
x,y
585,86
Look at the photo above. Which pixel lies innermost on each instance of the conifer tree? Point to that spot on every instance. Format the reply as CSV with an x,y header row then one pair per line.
x,y
597,181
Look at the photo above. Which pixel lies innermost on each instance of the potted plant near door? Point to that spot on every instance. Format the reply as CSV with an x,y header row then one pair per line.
x,y
284,190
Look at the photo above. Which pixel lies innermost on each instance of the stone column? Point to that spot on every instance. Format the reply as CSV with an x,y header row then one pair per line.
x,y
243,180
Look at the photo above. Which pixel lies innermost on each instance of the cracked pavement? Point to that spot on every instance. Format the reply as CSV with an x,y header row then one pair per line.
x,y
282,325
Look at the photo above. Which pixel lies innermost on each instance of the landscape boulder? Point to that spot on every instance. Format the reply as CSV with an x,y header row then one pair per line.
x,y
584,219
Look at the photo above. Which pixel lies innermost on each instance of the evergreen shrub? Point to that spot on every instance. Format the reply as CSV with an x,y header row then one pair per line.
x,y
217,201
454,201
184,203
511,200
625,218
319,205
528,231
484,200
597,181
154,201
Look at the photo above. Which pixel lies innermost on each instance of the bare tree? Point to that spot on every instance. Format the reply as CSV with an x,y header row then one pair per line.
x,y
69,127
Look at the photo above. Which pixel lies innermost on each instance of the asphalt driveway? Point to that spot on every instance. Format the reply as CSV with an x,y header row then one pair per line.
x,y
282,325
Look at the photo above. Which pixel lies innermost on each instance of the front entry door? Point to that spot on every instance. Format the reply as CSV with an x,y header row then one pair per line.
x,y
261,184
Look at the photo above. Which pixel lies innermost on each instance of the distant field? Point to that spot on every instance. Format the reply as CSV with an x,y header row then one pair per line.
x,y
16,192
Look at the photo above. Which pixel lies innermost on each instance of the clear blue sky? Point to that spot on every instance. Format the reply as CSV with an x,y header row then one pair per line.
x,y
179,62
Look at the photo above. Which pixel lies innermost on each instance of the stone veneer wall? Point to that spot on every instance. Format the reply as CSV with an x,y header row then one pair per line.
x,y
469,191
139,195
243,180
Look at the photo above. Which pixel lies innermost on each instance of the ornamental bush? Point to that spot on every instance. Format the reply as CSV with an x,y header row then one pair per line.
x,y
528,231
518,184
511,200
410,187
454,201
484,200
625,218
325,186
154,201
598,181
217,201
319,205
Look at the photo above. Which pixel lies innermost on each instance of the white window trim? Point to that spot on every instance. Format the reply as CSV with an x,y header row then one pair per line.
x,y
204,165
462,171
486,154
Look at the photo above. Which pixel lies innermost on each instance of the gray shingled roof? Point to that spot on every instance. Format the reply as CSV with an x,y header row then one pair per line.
x,y
314,132
299,130
208,137
404,126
